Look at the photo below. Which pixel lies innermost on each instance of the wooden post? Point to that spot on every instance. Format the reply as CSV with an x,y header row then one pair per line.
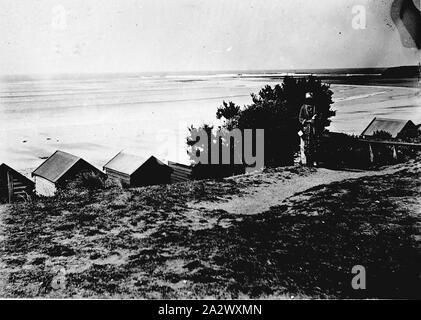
x,y
370,150
10,186
303,157
395,154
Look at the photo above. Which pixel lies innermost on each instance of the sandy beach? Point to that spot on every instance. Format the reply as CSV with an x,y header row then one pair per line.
x,y
97,117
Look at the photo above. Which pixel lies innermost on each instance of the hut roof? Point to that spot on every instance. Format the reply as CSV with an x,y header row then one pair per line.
x,y
28,181
125,163
128,163
56,166
393,126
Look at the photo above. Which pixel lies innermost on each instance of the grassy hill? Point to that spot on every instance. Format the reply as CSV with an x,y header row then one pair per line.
x,y
175,241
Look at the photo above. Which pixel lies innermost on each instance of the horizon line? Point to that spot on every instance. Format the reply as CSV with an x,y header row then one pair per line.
x,y
237,71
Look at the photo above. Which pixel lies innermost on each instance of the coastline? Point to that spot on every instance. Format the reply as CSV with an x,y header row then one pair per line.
x,y
31,130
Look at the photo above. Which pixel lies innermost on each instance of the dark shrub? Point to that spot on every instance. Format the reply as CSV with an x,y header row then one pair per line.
x,y
342,150
88,180
382,135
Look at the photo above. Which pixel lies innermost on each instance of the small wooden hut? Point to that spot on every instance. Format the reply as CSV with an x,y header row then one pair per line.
x,y
59,169
13,185
134,171
396,127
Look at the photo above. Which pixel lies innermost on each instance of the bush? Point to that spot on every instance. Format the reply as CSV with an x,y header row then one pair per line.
x,y
114,183
276,110
88,180
342,150
382,135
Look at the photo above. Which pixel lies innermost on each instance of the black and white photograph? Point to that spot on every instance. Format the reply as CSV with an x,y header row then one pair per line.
x,y
227,151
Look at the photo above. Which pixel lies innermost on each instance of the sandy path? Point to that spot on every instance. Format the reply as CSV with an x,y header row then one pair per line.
x,y
271,189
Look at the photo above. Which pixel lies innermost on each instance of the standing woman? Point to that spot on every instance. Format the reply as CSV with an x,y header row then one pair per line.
x,y
308,118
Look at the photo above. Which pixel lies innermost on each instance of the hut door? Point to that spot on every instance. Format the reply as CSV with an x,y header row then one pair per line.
x,y
10,186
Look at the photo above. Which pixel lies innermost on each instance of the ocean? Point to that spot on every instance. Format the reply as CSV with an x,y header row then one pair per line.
x,y
96,116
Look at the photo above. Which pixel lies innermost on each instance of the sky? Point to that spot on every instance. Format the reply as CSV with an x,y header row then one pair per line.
x,y
95,36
